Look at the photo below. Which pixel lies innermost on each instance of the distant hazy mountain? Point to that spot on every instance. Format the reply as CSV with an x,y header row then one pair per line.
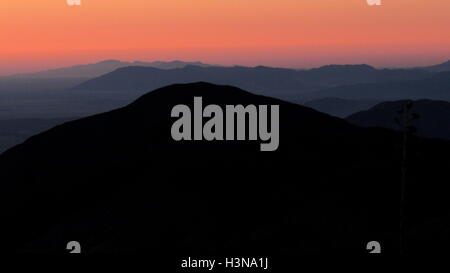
x,y
351,74
100,68
340,107
118,182
263,79
439,67
283,83
434,121
32,85
434,87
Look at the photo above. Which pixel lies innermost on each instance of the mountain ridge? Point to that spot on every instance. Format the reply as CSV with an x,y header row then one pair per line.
x,y
276,82
99,68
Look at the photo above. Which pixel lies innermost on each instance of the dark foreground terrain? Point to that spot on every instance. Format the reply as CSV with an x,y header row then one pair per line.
x,y
117,182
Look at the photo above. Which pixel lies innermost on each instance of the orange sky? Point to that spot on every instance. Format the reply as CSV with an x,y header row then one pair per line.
x,y
39,34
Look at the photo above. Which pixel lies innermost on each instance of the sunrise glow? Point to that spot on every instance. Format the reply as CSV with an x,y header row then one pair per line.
x,y
40,34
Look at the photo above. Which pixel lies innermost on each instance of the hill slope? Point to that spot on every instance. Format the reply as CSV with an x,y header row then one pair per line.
x,y
15,131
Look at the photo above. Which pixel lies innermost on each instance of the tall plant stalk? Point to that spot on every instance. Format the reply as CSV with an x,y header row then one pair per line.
x,y
407,129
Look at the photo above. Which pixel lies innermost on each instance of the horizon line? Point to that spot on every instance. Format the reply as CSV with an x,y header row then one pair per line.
x,y
215,64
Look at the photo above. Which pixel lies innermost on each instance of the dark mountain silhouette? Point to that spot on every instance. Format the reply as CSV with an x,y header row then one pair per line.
x,y
279,82
434,121
340,107
100,68
439,67
436,87
117,182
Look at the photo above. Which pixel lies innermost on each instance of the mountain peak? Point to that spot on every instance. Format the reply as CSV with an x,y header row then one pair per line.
x,y
93,70
187,91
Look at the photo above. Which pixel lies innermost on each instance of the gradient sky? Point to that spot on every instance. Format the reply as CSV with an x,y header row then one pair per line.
x,y
41,34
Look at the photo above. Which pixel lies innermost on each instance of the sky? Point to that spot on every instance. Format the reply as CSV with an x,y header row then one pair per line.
x,y
44,34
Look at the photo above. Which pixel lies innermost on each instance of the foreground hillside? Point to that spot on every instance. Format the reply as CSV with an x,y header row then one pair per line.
x,y
118,182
